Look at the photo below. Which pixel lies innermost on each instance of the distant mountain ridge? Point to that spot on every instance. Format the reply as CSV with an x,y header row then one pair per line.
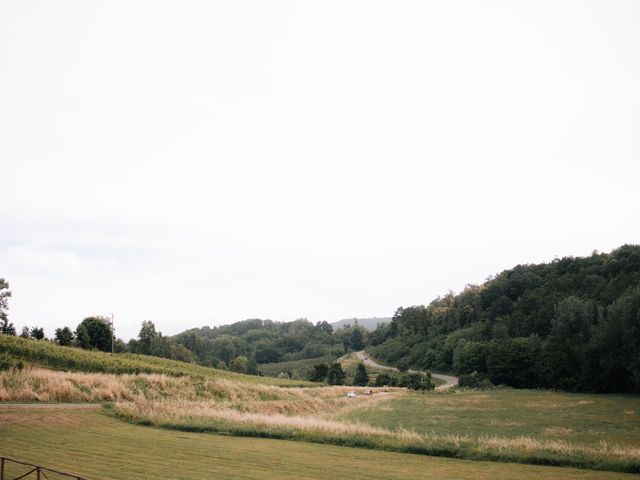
x,y
368,324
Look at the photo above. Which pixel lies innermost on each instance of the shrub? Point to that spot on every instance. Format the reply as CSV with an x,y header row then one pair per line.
x,y
475,380
6,362
384,380
415,381
470,380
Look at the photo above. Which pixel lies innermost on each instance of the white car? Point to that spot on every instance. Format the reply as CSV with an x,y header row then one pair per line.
x,y
352,394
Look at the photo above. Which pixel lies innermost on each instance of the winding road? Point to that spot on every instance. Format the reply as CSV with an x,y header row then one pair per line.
x,y
449,380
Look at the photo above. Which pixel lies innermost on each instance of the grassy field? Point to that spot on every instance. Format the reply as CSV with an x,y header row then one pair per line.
x,y
102,448
52,356
599,432
528,425
581,418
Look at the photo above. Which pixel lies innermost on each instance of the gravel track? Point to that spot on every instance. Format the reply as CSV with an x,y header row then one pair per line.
x,y
450,381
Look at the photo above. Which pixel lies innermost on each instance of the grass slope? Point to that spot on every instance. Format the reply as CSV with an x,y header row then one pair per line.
x,y
67,358
102,448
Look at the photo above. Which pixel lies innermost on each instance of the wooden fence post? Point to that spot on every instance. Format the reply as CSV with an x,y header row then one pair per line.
x,y
2,469
38,473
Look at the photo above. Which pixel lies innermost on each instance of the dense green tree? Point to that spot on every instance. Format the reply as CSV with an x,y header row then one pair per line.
x,y
513,361
224,348
616,343
37,333
383,380
319,372
324,328
470,356
94,333
119,346
379,335
346,343
315,349
565,349
151,342
146,336
415,381
357,339
64,336
361,377
336,375
161,346
252,366
6,327
239,364
266,354
178,351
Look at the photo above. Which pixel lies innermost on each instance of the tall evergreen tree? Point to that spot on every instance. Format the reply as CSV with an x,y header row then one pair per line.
x,y
361,377
335,375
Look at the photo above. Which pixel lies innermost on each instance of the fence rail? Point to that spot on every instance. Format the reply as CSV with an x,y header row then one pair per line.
x,y
37,471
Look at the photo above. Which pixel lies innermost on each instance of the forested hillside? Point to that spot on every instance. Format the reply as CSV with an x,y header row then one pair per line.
x,y
572,324
266,341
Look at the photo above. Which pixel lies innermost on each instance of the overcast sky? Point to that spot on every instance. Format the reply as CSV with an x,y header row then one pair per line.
x,y
196,163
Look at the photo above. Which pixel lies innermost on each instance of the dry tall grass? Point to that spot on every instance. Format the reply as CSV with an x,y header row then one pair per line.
x,y
40,385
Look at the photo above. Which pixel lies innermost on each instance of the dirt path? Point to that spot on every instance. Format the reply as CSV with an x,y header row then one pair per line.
x,y
52,406
450,381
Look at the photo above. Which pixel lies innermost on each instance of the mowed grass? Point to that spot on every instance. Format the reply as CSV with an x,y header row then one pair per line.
x,y
97,446
595,431
580,418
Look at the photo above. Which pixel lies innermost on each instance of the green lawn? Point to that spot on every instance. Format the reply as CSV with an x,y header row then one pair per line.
x,y
576,418
100,447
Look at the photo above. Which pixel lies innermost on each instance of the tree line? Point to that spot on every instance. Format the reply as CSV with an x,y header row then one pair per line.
x,y
571,324
240,346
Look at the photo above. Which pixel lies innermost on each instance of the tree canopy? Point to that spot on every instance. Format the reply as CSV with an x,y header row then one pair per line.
x,y
5,326
571,324
94,333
